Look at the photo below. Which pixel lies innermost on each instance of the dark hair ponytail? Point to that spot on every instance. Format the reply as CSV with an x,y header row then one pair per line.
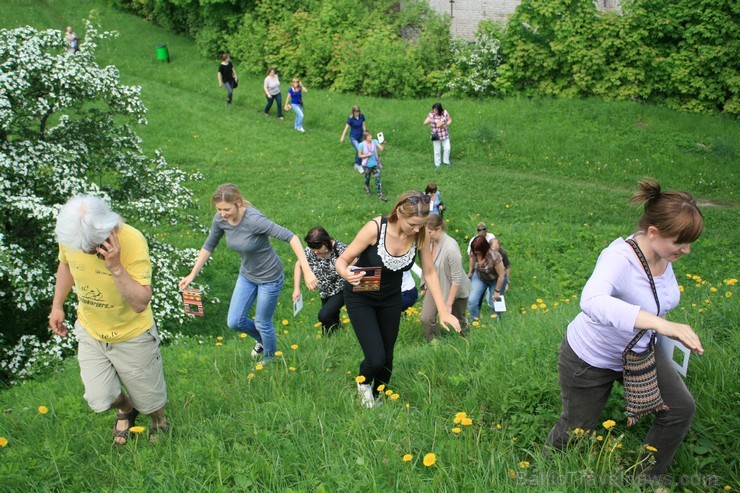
x,y
673,212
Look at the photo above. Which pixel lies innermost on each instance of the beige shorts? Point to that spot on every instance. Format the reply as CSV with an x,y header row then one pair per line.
x,y
136,363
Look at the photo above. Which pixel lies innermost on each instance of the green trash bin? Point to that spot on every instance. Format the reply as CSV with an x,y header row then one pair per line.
x,y
163,54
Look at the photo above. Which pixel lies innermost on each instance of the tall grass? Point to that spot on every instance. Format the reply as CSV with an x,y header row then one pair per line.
x,y
552,180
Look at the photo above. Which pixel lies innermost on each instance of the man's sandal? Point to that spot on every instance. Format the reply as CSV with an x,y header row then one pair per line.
x,y
157,430
131,418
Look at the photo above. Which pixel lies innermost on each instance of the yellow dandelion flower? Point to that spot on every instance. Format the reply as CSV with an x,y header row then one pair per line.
x,y
727,487
534,306
408,406
713,289
609,424
3,442
394,397
219,344
430,459
567,300
136,429
43,409
285,332
250,376
498,426
360,378
599,438
650,448
728,294
730,282
408,458
278,353
466,422
493,315
349,372
381,387
542,305
512,474
514,439
285,322
389,392
476,323
294,347
456,430
220,338
243,335
259,366
345,320
556,304
291,368
523,464
681,288
317,324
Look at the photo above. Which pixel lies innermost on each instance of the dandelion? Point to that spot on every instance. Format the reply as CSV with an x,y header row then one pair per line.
x,y
220,338
408,406
466,421
514,439
243,335
493,315
317,324
726,488
599,438
389,392
294,347
3,442
650,448
43,409
285,332
407,457
219,344
394,397
278,353
728,294
136,429
540,300
609,424
534,306
476,323
713,289
430,459
360,378
456,430
250,376
523,464
291,368
542,305
730,282
259,366
498,426
345,320
681,288
285,322
381,387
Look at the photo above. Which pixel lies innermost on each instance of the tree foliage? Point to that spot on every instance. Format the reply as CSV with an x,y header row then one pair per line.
x,y
67,127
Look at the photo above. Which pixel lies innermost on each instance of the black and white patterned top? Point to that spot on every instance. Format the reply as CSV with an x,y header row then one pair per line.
x,y
330,282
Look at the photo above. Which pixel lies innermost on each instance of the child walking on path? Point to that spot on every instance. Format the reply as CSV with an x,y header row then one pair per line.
x,y
368,152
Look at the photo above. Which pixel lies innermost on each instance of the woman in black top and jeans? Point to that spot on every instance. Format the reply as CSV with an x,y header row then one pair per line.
x,y
227,76
391,244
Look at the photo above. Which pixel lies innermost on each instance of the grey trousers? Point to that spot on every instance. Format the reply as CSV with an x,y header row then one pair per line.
x,y
584,390
429,316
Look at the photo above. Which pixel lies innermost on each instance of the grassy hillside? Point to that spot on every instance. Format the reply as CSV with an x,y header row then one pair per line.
x,y
552,180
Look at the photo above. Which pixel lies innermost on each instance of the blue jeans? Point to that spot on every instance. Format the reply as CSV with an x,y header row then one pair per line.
x,y
298,108
261,327
477,290
489,299
229,91
356,145
277,98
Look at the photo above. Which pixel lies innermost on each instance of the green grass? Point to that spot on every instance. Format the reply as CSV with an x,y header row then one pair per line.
x,y
552,179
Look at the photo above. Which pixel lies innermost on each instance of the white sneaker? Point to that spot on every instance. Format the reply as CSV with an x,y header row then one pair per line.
x,y
366,395
359,169
258,350
300,129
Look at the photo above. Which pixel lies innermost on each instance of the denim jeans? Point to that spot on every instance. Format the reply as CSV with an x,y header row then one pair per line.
x,y
441,151
229,91
277,98
356,145
477,291
298,109
489,292
261,328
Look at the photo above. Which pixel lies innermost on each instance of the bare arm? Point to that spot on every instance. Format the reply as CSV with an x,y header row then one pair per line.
x,y
63,286
136,295
501,272
220,80
310,278
344,132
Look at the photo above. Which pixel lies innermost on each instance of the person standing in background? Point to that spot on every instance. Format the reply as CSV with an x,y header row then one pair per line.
x,y
295,102
356,126
272,93
227,76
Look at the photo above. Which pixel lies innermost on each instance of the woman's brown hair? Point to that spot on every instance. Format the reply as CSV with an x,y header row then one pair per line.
x,y
435,221
229,193
673,212
414,208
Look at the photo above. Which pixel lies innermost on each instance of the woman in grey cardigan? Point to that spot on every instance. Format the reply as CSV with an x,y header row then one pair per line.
x,y
453,281
261,277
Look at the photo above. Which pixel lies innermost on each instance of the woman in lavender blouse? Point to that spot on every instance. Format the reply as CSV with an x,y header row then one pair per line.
x,y
617,302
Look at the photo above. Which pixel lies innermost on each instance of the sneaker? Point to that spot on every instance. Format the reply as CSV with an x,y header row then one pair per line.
x,y
281,118
449,165
367,398
382,197
367,190
359,169
300,129
436,166
258,349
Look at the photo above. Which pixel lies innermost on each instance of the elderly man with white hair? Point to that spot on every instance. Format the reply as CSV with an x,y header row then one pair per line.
x,y
108,263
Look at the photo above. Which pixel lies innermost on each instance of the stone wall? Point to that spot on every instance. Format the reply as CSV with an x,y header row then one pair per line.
x,y
466,14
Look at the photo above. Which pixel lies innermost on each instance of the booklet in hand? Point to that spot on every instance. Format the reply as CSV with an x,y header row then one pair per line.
x,y
370,281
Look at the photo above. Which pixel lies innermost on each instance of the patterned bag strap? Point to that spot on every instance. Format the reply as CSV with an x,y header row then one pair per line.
x,y
645,266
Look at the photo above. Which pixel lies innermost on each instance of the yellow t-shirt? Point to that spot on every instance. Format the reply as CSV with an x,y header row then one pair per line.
x,y
102,310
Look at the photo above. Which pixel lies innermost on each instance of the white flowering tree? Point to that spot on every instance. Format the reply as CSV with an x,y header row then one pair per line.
x,y
67,127
475,64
